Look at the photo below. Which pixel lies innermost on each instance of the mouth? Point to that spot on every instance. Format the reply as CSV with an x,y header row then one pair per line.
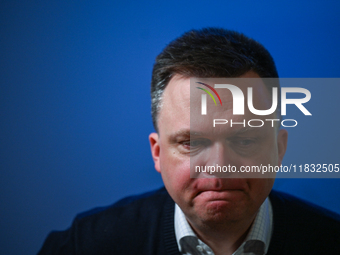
x,y
220,195
215,189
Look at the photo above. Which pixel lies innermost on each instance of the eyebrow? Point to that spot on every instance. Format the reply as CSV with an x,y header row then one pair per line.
x,y
188,133
243,130
184,133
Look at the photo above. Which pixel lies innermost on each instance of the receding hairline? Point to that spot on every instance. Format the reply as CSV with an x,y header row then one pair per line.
x,y
208,52
248,74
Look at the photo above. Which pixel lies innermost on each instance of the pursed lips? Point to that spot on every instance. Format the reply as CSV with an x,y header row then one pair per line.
x,y
220,194
220,189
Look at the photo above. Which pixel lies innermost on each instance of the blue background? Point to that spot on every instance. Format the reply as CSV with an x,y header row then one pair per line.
x,y
74,98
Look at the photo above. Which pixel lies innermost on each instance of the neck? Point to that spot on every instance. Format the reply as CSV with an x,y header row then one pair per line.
x,y
223,238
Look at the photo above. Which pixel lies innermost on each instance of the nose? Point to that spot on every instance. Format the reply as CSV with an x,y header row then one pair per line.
x,y
218,162
220,154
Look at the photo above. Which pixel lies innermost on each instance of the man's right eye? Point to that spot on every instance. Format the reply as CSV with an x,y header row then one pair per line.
x,y
195,144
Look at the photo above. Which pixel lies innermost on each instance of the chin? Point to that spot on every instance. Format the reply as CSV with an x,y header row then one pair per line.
x,y
221,212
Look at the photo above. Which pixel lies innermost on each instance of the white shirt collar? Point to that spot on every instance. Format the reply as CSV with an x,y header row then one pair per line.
x,y
261,230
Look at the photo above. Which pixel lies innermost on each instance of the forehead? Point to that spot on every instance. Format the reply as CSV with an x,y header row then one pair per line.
x,y
177,102
175,109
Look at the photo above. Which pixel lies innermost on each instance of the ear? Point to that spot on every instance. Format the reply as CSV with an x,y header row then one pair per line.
x,y
155,150
282,138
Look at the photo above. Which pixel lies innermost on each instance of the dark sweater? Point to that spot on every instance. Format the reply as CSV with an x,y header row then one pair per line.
x,y
144,224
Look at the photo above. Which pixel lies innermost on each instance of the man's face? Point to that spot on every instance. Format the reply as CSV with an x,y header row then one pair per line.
x,y
214,201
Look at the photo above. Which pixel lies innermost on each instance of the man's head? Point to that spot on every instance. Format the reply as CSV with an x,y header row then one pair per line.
x,y
208,53
212,202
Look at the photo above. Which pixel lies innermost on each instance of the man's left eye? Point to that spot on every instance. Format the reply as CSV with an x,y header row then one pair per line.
x,y
246,142
245,146
196,143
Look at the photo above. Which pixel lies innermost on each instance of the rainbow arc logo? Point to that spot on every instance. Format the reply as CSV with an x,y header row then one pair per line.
x,y
204,97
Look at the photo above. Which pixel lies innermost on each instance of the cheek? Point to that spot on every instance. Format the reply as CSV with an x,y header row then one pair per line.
x,y
268,154
273,151
260,188
175,170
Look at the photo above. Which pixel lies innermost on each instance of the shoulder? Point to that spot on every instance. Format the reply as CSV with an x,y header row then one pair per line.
x,y
302,226
293,206
136,204
136,220
130,210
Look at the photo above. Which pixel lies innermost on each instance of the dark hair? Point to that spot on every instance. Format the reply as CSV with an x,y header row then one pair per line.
x,y
208,53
